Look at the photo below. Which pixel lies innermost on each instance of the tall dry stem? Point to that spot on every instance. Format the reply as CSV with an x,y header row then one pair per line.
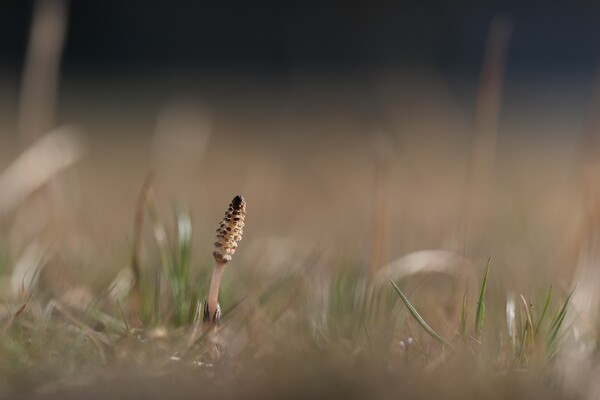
x,y
485,128
39,87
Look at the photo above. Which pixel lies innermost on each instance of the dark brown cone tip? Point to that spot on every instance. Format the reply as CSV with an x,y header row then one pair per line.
x,y
237,202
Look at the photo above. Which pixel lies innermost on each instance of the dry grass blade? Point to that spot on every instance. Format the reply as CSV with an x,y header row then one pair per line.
x,y
138,227
45,158
78,323
195,325
485,134
422,261
16,315
528,331
380,204
25,275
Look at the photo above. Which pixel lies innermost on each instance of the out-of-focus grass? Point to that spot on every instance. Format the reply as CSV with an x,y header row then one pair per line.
x,y
303,314
340,334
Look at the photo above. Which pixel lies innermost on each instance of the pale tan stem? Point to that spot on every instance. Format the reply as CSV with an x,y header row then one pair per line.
x,y
37,104
215,284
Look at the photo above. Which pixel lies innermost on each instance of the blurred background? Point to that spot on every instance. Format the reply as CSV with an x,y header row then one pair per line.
x,y
371,140
365,130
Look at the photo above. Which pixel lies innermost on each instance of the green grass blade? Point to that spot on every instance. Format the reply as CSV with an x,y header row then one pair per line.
x,y
157,289
522,348
480,314
463,316
555,316
418,317
181,270
160,237
544,311
563,311
557,323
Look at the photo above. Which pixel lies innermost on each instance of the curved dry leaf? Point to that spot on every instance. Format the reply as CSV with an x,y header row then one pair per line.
x,y
423,261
